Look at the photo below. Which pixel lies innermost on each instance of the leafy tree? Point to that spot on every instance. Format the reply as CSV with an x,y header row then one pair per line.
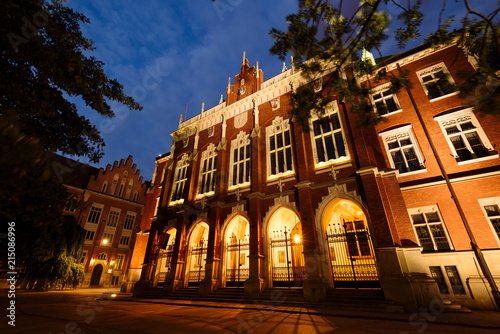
x,y
45,60
322,34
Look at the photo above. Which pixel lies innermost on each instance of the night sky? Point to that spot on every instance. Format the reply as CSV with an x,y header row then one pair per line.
x,y
168,53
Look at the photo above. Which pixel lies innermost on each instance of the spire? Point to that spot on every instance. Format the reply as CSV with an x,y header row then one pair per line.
x,y
243,62
257,65
368,56
284,68
221,98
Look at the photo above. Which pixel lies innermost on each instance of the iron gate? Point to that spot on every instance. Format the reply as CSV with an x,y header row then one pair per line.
x,y
238,251
198,256
287,260
351,255
165,264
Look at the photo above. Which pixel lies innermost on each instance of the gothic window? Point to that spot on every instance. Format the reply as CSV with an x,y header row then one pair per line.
x,y
239,174
107,238
89,235
94,215
114,214
129,221
180,178
328,138
124,240
208,169
119,261
465,136
279,148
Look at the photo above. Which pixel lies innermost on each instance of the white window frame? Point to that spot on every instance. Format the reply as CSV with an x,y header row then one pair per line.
x,y
381,90
130,217
279,126
332,109
99,207
423,211
461,117
431,70
209,157
180,179
242,141
120,259
483,202
398,134
113,210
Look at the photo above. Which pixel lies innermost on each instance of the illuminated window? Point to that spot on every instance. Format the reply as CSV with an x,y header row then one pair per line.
x,y
119,261
180,178
430,229
465,136
108,237
102,256
239,173
279,148
208,168
402,150
328,138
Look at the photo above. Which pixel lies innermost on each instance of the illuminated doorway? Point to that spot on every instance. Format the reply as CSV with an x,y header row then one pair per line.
x,y
285,248
237,251
197,247
349,247
164,260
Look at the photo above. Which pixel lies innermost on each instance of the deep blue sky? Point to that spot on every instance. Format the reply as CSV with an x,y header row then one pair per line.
x,y
191,48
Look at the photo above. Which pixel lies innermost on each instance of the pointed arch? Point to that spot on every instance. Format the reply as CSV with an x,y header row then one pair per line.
x,y
235,249
197,241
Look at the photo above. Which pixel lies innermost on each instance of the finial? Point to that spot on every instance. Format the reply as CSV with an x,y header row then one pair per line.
x,y
243,63
202,107
284,68
221,98
257,66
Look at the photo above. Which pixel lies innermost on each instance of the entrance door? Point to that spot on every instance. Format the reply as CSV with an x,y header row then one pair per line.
x,y
96,275
351,255
198,259
237,269
287,259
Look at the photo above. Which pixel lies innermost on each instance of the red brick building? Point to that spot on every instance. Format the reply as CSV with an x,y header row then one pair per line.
x,y
250,199
110,208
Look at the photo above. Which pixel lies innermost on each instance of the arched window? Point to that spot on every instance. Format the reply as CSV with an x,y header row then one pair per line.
x,y
104,186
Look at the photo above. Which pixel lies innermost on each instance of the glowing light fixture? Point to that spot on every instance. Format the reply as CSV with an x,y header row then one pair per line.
x,y
105,241
297,238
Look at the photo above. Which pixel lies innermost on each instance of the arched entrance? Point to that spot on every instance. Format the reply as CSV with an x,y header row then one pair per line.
x,y
236,251
96,275
348,245
285,253
164,260
197,248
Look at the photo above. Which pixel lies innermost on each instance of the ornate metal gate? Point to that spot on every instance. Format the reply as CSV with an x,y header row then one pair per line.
x,y
287,260
165,264
198,257
351,255
237,270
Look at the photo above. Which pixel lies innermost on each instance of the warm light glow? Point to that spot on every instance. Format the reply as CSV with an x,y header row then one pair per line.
x,y
113,295
297,238
92,261
111,262
105,241
110,271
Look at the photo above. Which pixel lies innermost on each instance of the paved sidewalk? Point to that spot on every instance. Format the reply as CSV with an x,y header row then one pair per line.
x,y
477,318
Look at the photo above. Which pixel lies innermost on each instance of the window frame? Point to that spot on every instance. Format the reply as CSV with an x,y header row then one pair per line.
x,y
279,126
331,110
422,211
242,140
431,70
483,202
124,238
128,224
459,117
398,134
111,211
119,261
96,206
90,233
210,154
110,238
381,90
181,170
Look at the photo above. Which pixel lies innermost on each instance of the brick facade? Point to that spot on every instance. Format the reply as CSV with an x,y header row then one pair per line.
x,y
377,180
